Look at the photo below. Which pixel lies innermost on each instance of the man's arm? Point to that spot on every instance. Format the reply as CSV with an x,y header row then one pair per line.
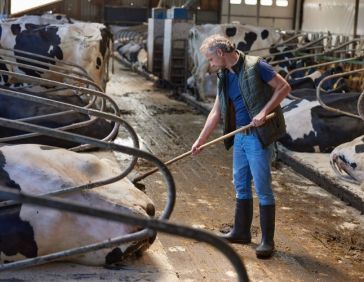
x,y
210,125
281,90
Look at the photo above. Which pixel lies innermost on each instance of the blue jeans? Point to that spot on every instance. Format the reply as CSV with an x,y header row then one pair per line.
x,y
252,161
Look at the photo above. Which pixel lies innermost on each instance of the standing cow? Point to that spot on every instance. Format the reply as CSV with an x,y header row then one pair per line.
x,y
28,231
81,43
245,37
84,44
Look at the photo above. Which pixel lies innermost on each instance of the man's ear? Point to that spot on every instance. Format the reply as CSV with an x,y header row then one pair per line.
x,y
219,52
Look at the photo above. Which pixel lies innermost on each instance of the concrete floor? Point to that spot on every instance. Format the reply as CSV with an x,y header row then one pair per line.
x,y
318,236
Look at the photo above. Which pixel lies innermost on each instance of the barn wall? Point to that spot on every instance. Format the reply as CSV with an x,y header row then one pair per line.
x,y
90,10
360,27
318,16
268,16
82,10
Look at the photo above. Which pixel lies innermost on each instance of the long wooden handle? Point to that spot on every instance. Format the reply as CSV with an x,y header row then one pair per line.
x,y
244,128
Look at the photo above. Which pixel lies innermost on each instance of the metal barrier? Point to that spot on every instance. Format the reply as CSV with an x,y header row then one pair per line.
x,y
361,105
82,90
159,225
68,67
318,65
326,52
15,198
61,65
285,43
318,92
303,47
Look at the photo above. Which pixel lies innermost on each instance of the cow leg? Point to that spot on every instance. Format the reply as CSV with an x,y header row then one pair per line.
x,y
200,82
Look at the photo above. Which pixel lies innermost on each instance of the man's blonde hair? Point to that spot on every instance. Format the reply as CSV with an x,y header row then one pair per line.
x,y
217,41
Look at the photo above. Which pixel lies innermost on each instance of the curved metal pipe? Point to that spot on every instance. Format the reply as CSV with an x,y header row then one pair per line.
x,y
293,50
62,62
277,44
104,145
82,80
140,235
303,57
48,82
333,50
361,105
330,108
321,65
81,110
159,225
299,48
316,65
82,73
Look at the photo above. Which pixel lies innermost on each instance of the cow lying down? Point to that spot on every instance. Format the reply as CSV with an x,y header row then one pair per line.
x,y
28,231
311,128
15,108
347,160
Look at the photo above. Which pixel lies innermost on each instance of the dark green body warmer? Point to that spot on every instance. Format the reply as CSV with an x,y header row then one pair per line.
x,y
256,94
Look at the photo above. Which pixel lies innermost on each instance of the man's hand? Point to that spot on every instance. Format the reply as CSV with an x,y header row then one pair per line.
x,y
259,119
196,147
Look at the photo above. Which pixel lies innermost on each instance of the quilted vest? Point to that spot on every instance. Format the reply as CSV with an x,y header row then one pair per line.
x,y
256,94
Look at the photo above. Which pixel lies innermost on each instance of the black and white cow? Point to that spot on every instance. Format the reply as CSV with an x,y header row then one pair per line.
x,y
54,36
311,128
347,160
135,53
28,231
245,37
131,44
84,44
307,81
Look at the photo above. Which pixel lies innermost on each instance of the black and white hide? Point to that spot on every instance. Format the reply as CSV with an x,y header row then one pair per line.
x,y
15,108
348,160
245,37
29,231
311,128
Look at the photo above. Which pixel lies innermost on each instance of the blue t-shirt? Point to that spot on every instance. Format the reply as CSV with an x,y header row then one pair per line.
x,y
241,114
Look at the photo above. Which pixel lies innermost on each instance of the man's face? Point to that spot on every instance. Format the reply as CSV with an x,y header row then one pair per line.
x,y
216,59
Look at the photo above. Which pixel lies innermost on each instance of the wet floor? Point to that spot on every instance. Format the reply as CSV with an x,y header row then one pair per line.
x,y
318,237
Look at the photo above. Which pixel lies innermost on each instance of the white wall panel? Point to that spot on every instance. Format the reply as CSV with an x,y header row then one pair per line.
x,y
360,28
268,16
336,16
242,20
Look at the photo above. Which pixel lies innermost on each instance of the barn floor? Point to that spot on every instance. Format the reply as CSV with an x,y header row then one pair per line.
x,y
318,237
315,167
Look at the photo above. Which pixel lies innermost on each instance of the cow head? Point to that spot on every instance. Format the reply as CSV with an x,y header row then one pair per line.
x,y
347,160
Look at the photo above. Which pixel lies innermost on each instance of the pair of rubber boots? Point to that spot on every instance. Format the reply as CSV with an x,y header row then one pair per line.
x,y
243,219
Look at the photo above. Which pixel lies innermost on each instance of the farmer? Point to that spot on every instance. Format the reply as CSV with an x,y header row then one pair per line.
x,y
248,90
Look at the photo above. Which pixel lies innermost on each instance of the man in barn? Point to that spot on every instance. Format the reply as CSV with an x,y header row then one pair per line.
x,y
248,90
